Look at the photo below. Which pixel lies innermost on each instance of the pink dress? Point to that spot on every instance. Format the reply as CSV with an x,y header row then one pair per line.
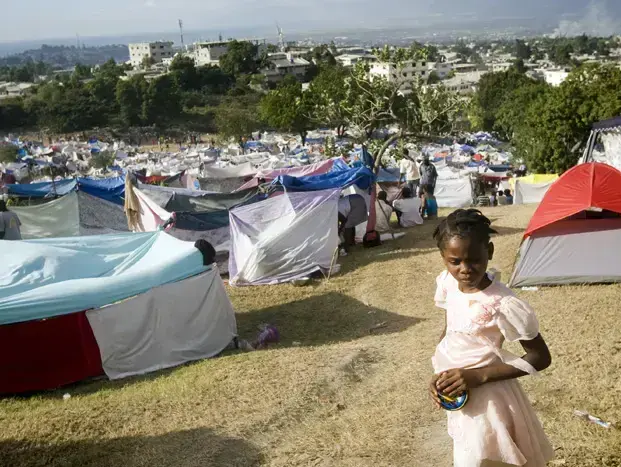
x,y
498,425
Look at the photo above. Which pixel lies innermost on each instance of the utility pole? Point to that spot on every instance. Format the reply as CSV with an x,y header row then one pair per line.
x,y
181,31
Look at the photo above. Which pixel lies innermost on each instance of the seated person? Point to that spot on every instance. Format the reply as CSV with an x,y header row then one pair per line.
x,y
493,201
502,200
429,205
509,196
352,212
383,212
408,209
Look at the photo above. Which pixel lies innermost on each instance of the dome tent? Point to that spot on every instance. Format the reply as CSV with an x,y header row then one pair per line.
x,y
574,235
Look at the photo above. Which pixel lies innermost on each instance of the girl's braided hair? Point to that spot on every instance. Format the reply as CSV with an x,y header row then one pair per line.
x,y
464,223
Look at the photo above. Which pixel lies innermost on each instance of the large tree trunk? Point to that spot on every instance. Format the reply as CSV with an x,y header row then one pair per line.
x,y
382,150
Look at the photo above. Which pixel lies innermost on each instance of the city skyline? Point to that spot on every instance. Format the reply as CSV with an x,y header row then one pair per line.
x,y
62,19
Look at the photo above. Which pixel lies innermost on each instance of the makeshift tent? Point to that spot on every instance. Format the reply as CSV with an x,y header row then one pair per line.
x,y
609,133
362,177
284,237
305,170
574,235
76,214
453,193
43,189
152,304
532,188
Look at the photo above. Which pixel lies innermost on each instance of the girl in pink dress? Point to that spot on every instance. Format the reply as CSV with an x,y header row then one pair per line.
x,y
497,426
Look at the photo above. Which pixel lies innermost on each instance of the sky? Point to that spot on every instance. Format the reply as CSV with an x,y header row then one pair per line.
x,y
48,19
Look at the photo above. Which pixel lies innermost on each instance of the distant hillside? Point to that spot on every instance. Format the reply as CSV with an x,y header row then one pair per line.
x,y
68,56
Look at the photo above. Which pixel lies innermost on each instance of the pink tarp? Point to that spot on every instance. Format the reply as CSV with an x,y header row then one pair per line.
x,y
268,175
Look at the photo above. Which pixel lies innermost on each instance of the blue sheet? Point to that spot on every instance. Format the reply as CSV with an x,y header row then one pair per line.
x,y
361,177
45,278
110,189
43,189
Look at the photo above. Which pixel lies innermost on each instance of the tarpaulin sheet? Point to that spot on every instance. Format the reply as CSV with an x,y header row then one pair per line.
x,y
212,201
43,189
284,237
530,193
232,171
453,193
46,354
57,218
361,177
151,216
221,185
202,220
44,278
164,327
99,217
110,189
306,170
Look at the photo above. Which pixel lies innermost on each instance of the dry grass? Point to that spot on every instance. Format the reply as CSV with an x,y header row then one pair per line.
x,y
349,394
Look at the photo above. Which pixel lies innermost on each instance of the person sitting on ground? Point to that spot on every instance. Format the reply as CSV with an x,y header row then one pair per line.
x,y
408,209
493,201
383,212
429,205
508,196
9,223
502,200
352,212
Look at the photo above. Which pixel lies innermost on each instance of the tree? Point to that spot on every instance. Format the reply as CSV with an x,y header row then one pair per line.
x,y
184,73
519,66
492,92
129,96
522,50
235,120
240,58
559,120
161,104
82,72
8,153
147,62
561,54
103,160
326,94
433,78
287,109
512,112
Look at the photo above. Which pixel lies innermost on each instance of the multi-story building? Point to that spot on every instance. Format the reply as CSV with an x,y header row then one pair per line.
x,y
282,64
157,51
407,73
209,53
350,60
464,84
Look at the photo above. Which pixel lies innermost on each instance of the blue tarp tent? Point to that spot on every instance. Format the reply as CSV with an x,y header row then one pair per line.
x,y
43,189
45,278
362,177
110,189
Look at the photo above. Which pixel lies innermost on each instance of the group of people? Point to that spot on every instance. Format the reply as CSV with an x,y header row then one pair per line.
x,y
502,198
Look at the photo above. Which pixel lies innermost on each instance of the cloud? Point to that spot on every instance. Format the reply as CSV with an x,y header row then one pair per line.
x,y
150,3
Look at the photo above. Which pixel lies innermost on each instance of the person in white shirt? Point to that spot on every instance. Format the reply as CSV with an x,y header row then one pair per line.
x,y
408,170
383,212
408,209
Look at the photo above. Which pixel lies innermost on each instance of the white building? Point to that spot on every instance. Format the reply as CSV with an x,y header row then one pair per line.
x,y
350,60
500,66
464,84
14,89
282,64
555,77
155,50
409,72
209,53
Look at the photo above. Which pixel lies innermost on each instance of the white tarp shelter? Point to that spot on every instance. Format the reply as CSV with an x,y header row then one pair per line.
x,y
283,238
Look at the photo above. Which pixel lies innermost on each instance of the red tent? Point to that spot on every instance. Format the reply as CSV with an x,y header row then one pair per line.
x,y
592,185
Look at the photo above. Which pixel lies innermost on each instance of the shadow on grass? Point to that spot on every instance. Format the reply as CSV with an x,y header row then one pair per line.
x,y
323,319
197,447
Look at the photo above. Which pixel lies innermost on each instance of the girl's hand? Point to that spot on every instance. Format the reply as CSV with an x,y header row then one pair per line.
x,y
453,382
433,392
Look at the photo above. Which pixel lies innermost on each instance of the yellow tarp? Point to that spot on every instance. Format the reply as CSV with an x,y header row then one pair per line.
x,y
533,179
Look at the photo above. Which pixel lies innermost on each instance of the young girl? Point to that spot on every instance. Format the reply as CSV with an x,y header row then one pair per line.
x,y
497,426
429,205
